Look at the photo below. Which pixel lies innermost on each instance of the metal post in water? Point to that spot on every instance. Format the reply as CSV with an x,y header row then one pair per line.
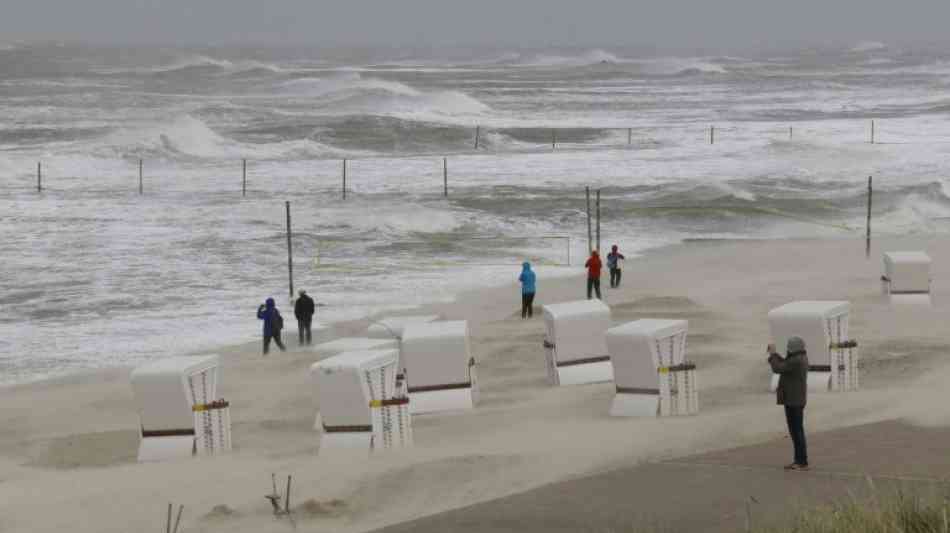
x,y
598,220
140,176
344,179
867,249
290,255
39,176
476,137
590,237
445,177
244,177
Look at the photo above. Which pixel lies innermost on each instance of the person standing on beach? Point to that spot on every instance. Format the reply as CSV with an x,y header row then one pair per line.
x,y
303,310
528,288
792,392
614,262
273,323
594,267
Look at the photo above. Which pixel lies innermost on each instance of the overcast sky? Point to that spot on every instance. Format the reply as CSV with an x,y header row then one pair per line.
x,y
532,23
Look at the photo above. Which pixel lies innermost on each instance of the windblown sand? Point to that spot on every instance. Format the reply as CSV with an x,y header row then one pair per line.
x,y
68,446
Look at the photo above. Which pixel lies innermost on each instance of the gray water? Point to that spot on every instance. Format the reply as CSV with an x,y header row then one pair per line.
x,y
97,275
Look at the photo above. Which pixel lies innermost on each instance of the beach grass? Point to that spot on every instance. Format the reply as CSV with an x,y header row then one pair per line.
x,y
898,511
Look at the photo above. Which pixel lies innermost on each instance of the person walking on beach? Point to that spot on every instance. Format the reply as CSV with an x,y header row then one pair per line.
x,y
594,267
614,262
303,310
792,392
528,288
273,323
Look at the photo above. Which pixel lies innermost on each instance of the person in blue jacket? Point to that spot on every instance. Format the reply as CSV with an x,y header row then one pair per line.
x,y
273,323
528,288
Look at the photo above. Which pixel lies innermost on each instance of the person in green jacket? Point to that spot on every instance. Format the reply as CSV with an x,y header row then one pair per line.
x,y
792,392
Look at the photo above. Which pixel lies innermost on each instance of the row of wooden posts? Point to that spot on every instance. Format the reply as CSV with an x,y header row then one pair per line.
x,y
591,226
712,134
445,162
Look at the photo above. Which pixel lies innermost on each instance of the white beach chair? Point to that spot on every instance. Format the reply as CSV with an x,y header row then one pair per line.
x,y
823,325
439,367
362,404
575,342
906,277
393,326
354,344
651,372
179,410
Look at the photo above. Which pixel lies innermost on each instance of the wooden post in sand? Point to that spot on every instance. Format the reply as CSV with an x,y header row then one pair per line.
x,y
789,133
590,237
629,136
244,177
181,507
290,255
140,176
445,177
867,249
168,521
476,137
598,220
872,131
39,176
344,179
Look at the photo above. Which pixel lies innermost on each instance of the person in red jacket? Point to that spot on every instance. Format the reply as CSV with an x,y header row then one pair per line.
x,y
593,274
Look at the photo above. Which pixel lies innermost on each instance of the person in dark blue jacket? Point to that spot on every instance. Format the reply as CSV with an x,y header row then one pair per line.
x,y
273,323
528,288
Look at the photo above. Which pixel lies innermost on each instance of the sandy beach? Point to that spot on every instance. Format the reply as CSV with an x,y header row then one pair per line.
x,y
67,446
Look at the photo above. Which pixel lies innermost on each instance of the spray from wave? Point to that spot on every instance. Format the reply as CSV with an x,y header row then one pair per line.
x,y
351,93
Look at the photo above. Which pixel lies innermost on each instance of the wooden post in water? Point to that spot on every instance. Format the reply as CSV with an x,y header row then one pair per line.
x,y
39,176
789,133
553,139
598,220
140,176
872,131
244,177
445,177
344,179
476,137
867,248
290,255
629,136
712,134
590,237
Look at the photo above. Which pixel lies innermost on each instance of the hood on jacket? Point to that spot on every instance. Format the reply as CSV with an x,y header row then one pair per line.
x,y
269,303
795,345
613,248
526,267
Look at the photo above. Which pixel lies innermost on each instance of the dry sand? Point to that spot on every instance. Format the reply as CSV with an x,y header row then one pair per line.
x,y
67,446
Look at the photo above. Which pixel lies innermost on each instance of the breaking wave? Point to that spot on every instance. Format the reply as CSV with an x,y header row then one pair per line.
x,y
351,93
868,46
191,137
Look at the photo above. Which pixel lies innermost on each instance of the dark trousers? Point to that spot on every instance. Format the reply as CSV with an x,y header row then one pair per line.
x,y
303,329
795,416
614,277
593,284
276,337
527,305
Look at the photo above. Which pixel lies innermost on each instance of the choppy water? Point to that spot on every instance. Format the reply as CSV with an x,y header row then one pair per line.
x,y
94,274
